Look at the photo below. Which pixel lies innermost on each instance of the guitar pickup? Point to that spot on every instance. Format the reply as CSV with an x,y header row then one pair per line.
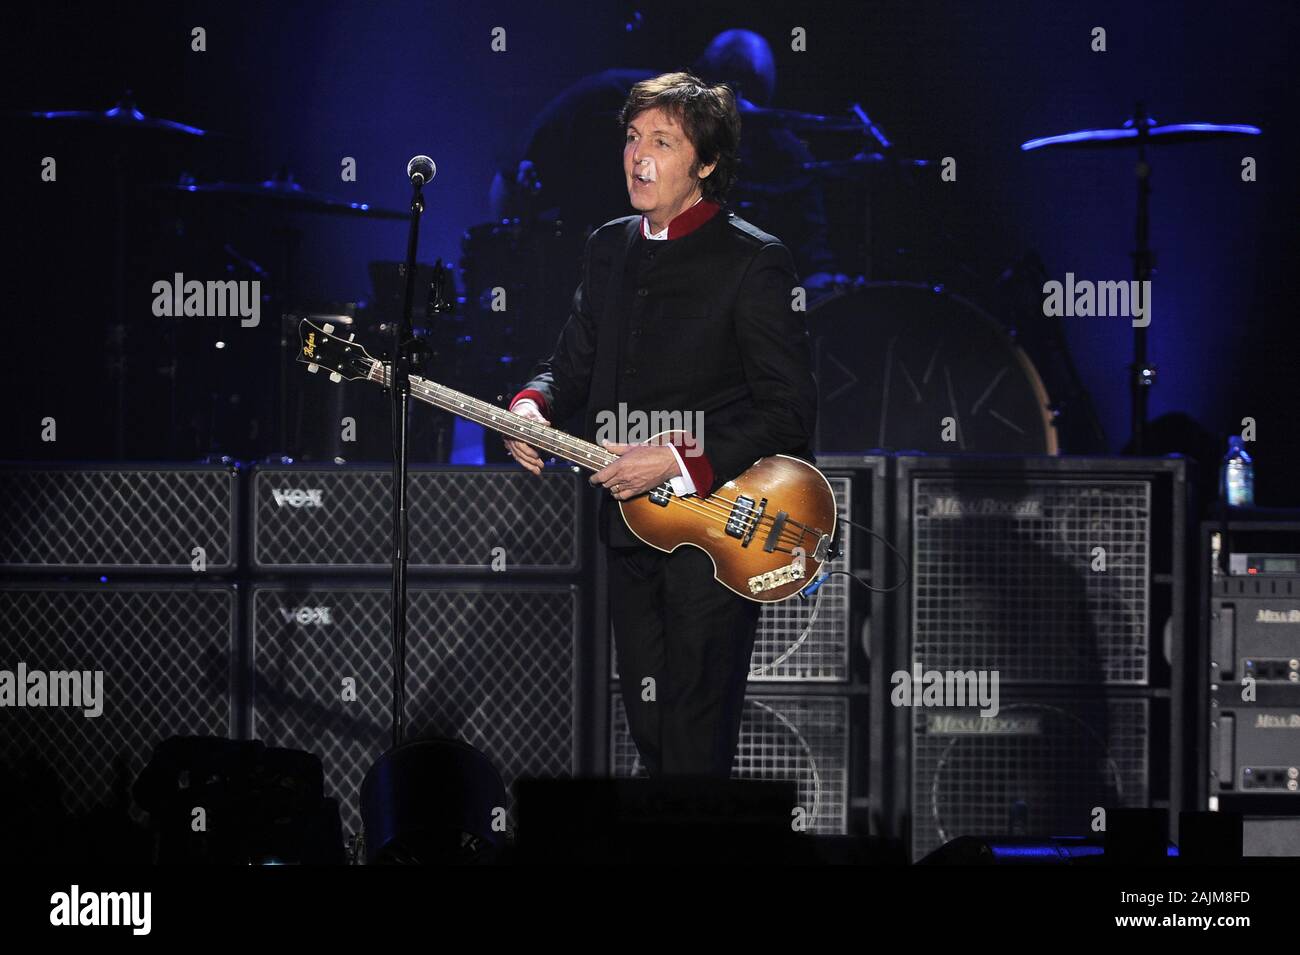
x,y
741,513
749,536
660,495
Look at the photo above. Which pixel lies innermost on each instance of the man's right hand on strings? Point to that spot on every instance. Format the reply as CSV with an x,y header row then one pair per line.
x,y
526,454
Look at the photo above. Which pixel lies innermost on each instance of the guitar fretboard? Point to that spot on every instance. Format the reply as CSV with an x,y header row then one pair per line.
x,y
505,422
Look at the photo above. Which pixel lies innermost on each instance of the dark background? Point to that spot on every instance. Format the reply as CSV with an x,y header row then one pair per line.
x,y
305,84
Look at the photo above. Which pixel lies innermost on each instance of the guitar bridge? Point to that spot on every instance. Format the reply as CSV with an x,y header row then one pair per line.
x,y
777,578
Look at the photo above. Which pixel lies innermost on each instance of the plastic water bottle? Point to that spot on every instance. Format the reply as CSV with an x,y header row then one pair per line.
x,y
1238,475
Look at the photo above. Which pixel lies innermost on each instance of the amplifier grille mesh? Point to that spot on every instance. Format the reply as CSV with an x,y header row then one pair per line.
x,y
111,517
165,654
1003,578
494,668
457,519
805,739
1039,767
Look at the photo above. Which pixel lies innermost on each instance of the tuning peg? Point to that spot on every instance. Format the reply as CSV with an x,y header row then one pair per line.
x,y
352,337
328,329
335,377
313,368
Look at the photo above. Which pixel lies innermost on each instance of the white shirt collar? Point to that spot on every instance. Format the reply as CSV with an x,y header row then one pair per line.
x,y
662,233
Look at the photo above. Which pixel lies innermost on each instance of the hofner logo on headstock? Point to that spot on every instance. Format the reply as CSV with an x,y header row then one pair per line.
x,y
309,347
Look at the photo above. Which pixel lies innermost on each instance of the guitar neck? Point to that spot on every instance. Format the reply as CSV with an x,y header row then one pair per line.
x,y
513,426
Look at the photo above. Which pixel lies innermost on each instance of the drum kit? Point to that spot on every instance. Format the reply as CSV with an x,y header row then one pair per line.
x,y
896,352
923,355
225,395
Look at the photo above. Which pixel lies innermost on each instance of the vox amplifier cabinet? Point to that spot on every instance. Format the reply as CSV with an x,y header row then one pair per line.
x,y
338,519
125,518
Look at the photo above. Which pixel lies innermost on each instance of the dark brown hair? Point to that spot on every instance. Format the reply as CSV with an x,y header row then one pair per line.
x,y
709,116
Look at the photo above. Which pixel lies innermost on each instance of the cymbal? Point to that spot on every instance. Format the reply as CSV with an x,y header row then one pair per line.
x,y
125,115
803,122
283,193
1127,135
855,165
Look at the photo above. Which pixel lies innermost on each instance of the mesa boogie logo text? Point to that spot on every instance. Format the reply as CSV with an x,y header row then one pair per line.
x,y
1277,721
954,506
1277,616
298,497
954,724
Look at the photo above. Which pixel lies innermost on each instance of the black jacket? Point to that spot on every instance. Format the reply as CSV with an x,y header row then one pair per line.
x,y
702,323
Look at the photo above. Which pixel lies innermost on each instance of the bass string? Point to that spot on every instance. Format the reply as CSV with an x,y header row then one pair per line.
x,y
715,507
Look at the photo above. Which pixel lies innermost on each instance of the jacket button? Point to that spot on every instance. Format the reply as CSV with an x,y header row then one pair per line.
x,y
643,291
630,372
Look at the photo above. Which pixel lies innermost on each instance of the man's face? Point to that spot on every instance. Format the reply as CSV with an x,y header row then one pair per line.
x,y
657,161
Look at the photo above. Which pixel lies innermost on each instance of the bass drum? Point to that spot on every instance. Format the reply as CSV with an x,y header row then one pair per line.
x,y
909,367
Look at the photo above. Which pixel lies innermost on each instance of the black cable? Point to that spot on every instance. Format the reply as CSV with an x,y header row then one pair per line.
x,y
815,586
907,568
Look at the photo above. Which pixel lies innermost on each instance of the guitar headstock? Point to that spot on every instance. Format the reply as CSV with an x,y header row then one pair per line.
x,y
321,348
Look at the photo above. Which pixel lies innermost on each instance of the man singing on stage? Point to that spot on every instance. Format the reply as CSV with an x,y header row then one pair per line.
x,y
685,308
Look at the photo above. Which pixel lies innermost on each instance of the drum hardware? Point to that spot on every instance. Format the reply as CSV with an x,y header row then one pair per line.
x,y
1141,132
124,117
283,194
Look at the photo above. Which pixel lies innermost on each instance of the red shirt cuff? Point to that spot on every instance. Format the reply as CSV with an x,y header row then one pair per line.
x,y
697,465
536,396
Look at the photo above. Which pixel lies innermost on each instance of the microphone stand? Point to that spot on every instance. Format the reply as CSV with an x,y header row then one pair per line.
x,y
400,385
428,799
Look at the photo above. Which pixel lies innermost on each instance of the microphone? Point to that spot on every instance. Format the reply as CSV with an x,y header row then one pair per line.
x,y
421,170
